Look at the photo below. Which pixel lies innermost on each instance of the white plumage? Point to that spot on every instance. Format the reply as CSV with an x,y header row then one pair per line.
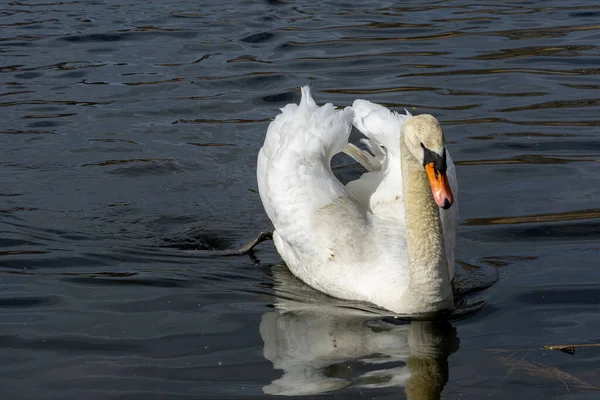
x,y
354,242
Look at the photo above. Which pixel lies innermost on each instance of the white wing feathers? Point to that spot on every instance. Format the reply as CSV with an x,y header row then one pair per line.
x,y
380,125
318,221
382,128
293,171
364,158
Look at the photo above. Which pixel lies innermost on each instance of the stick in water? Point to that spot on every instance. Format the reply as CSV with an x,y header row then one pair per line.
x,y
247,248
570,348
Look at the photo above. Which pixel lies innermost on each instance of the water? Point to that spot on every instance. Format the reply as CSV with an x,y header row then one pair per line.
x,y
129,136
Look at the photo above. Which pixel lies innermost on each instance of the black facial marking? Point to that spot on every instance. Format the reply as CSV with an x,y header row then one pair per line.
x,y
438,161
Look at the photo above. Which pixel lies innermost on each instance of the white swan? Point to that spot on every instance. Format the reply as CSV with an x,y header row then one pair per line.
x,y
386,238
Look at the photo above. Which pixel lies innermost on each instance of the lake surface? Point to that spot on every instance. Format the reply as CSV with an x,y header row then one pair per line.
x,y
128,138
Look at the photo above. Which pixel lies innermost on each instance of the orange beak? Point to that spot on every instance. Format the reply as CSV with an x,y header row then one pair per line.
x,y
440,188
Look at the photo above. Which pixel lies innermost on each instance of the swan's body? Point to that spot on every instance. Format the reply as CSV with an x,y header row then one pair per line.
x,y
381,238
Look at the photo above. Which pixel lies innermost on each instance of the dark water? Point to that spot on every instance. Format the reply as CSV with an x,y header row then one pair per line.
x,y
129,132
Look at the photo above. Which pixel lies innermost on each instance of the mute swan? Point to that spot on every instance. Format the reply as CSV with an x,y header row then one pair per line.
x,y
386,238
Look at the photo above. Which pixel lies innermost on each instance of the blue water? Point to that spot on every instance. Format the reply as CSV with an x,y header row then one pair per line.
x,y
128,138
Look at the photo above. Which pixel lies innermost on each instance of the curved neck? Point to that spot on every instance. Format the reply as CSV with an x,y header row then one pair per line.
x,y
429,278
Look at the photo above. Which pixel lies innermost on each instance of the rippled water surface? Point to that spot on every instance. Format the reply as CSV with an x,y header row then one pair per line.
x,y
128,137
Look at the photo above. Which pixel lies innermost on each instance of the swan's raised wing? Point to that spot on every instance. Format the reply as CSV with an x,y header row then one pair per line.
x,y
382,128
308,205
380,125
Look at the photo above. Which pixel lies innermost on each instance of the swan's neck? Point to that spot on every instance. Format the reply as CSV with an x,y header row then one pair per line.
x,y
429,286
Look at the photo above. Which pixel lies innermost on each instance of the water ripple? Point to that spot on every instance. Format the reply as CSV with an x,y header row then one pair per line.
x,y
128,145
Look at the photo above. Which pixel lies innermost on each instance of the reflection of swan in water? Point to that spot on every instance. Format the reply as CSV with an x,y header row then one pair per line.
x,y
320,353
324,344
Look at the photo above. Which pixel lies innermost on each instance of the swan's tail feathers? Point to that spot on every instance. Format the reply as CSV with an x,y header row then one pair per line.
x,y
362,157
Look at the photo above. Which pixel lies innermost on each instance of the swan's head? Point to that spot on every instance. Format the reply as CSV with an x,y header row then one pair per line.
x,y
425,140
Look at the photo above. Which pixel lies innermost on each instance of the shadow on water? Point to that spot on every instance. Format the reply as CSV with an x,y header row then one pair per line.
x,y
199,239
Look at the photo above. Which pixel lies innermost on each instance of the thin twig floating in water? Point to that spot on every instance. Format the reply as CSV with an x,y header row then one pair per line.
x,y
570,348
245,249
534,368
